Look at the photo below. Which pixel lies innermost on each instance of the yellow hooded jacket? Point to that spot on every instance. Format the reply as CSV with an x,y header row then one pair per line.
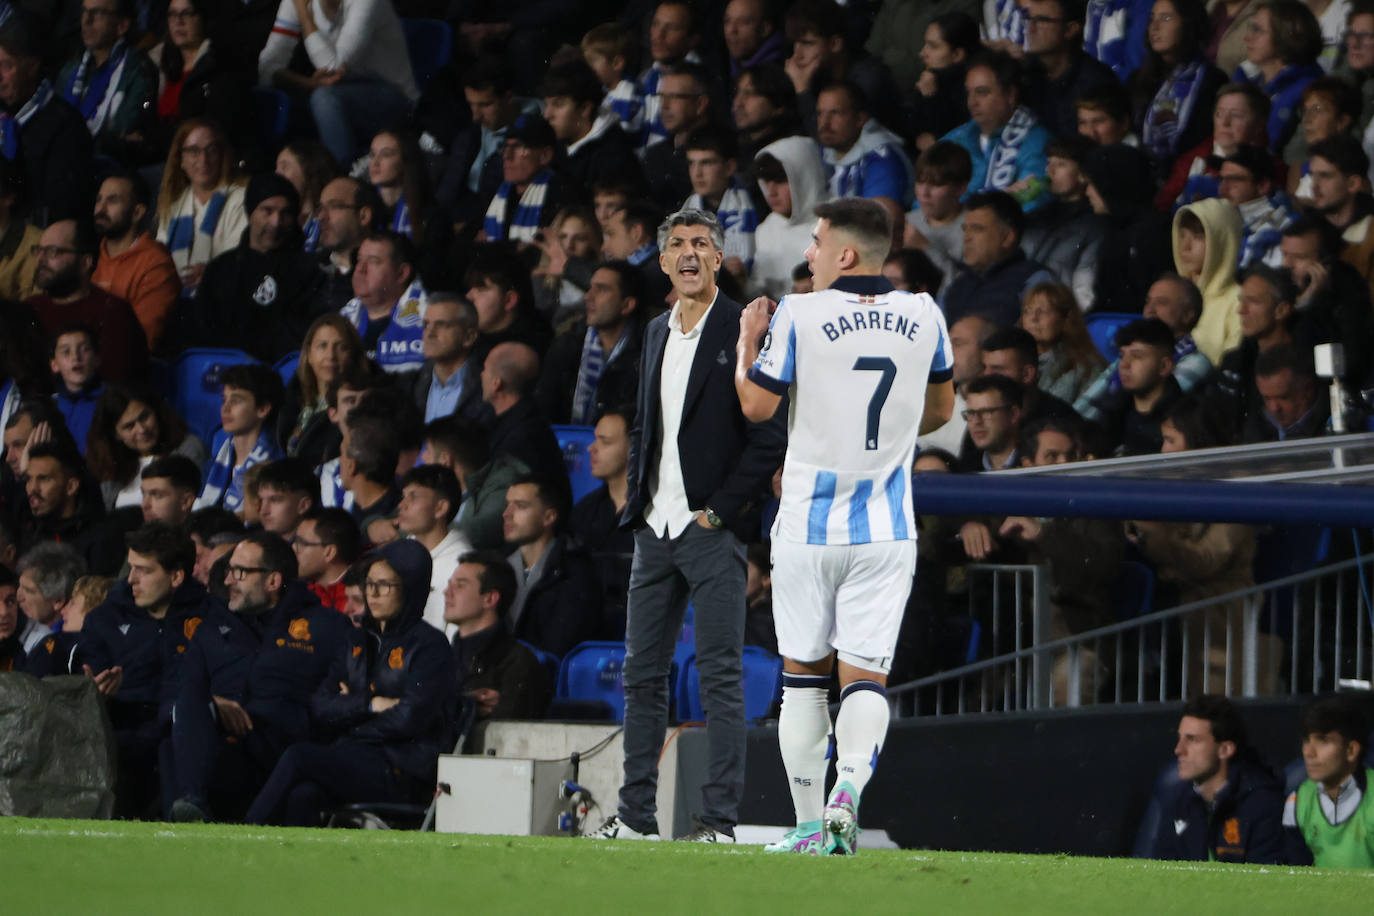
x,y
1218,330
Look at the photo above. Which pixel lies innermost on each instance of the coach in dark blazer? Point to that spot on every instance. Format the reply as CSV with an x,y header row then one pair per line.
x,y
698,474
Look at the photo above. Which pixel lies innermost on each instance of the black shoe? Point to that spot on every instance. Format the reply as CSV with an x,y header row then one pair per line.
x,y
186,811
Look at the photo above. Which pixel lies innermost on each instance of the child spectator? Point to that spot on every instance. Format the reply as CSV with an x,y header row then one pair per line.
x,y
251,396
611,51
712,165
1206,246
76,364
936,224
792,178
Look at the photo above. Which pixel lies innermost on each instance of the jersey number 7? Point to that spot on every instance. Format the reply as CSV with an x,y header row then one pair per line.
x,y
875,405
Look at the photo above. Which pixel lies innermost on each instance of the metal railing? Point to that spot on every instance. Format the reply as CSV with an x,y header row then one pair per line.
x,y
1309,632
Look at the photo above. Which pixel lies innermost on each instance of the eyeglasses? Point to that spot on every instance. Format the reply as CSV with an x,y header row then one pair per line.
x,y
50,251
239,573
982,413
195,152
380,586
1355,38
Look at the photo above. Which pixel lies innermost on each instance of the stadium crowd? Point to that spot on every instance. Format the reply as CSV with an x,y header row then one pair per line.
x,y
467,254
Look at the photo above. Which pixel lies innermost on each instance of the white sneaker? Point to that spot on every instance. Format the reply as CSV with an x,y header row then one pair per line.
x,y
613,828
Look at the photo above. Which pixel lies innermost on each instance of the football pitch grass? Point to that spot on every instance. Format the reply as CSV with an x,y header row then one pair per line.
x,y
49,866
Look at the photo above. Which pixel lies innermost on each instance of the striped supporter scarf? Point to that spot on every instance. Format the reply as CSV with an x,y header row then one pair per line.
x,y
525,224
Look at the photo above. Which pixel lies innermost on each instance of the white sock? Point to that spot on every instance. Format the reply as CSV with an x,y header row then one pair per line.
x,y
860,729
804,739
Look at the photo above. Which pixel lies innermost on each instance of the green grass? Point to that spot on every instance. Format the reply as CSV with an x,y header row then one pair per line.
x,y
102,867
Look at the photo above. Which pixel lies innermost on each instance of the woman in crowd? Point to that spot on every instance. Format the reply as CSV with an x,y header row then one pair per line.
x,y
309,167
396,169
1175,89
200,206
1069,360
388,704
1282,42
941,106
130,427
331,350
1330,106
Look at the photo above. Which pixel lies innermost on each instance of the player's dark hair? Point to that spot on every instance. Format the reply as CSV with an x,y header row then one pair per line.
x,y
171,547
1341,714
1222,715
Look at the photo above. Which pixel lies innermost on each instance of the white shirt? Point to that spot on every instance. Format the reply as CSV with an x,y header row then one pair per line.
x,y
443,561
669,513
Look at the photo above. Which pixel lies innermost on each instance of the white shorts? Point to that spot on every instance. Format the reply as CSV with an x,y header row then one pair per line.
x,y
847,599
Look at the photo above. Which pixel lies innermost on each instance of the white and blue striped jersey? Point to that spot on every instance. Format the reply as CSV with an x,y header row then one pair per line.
x,y
856,358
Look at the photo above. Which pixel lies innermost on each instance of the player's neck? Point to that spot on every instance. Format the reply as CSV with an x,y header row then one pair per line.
x,y
860,270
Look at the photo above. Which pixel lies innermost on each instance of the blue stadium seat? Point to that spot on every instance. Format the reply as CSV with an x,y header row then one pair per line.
x,y
762,686
592,672
1135,589
273,110
573,440
429,42
1102,328
286,366
195,384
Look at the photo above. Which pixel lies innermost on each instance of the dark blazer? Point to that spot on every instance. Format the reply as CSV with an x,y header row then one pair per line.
x,y
727,461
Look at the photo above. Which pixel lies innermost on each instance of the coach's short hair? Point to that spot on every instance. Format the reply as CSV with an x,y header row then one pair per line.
x,y
863,220
691,217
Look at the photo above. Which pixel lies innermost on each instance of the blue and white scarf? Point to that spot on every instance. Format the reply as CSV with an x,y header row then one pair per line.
x,y
10,125
89,89
400,348
1006,150
9,399
1011,23
332,492
312,233
737,217
182,230
1171,109
626,102
224,482
589,371
400,217
524,226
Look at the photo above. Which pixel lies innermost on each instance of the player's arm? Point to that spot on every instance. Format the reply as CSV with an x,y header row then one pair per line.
x,y
757,402
939,406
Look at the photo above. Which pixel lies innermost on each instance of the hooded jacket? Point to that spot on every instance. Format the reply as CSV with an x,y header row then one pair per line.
x,y
405,659
780,241
270,662
875,166
1218,330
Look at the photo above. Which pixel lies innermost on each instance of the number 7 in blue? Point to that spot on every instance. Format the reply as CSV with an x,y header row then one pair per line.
x,y
875,406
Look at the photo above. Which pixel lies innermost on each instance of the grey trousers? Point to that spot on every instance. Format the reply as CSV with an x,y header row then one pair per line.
x,y
707,567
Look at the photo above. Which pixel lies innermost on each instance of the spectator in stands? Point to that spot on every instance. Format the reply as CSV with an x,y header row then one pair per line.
x,y
362,80
31,421
793,180
50,144
193,78
430,497
1054,42
1246,181
134,266
907,270
569,252
396,168
1267,296
170,485
251,395
367,468
75,366
211,530
1145,365
533,188
134,646
750,36
287,490
1238,117
11,647
309,167
110,81
200,211
1067,358
1359,57
326,543
1330,106
673,36
1013,159
448,382
1282,42
1225,806
330,352
249,674
612,51
461,445
130,428
355,591
494,668
1339,169
1135,247
1065,235
1229,26
591,140
498,286
59,510
1177,302
764,110
349,211
47,573
630,235
1206,246
1013,353
345,397
386,706
712,165
18,237
936,224
59,654
389,301
863,157
595,362
1175,89
66,255
951,41
993,415
521,430
1322,819
558,602
996,272
684,106
595,520
1333,299
818,31
966,337
261,296
1104,116
1295,406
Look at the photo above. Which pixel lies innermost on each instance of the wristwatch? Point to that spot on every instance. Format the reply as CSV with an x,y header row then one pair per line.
x,y
712,519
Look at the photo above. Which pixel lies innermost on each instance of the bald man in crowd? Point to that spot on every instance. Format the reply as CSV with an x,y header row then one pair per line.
x,y
521,429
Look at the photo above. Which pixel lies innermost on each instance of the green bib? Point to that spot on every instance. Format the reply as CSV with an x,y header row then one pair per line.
x,y
1348,845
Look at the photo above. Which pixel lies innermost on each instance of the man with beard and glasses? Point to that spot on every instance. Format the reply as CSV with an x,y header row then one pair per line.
x,y
133,265
261,296
66,254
